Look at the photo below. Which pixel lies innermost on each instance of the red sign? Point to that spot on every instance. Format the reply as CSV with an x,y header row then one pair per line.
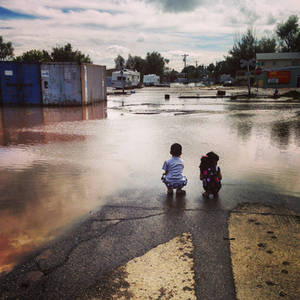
x,y
282,76
258,71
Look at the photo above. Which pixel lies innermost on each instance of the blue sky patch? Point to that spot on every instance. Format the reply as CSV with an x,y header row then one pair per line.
x,y
67,10
6,14
71,9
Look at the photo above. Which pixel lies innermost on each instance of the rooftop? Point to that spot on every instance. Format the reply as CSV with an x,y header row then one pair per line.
x,y
273,56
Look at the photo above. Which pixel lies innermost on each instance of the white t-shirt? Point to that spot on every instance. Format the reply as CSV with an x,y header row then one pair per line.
x,y
174,166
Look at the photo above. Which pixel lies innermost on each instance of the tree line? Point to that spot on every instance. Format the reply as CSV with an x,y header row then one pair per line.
x,y
286,38
59,54
153,63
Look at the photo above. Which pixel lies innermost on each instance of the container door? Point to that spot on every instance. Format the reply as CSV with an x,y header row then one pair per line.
x,y
31,90
45,82
71,85
9,83
20,83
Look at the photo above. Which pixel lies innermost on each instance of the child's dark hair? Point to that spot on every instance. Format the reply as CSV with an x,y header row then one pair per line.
x,y
208,161
176,150
213,156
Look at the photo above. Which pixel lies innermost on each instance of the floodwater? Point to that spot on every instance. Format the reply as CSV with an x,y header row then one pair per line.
x,y
59,164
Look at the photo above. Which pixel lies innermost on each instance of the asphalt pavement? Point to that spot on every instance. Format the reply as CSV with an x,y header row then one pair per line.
x,y
94,258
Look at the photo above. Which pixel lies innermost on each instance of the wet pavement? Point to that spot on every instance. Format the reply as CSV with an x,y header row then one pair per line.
x,y
81,192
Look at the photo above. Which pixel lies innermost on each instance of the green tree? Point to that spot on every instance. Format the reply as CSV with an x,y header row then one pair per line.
x,y
266,45
6,50
67,54
289,34
210,69
246,48
135,63
34,56
171,75
155,64
119,62
221,67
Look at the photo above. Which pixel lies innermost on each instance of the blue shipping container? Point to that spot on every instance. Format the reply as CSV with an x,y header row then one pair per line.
x,y
20,83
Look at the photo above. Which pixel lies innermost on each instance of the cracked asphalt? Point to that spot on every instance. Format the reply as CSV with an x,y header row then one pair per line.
x,y
115,234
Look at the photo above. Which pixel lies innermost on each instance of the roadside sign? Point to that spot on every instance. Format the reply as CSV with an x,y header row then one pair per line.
x,y
252,62
243,63
45,73
273,80
258,71
281,76
8,73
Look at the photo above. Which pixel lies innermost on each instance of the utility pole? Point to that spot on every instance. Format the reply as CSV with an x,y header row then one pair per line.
x,y
247,63
184,59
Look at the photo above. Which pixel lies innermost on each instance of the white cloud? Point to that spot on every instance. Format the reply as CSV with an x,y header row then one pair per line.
x,y
105,28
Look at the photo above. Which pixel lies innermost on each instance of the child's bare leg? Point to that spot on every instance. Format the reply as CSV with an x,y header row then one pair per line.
x,y
169,190
180,191
205,194
216,195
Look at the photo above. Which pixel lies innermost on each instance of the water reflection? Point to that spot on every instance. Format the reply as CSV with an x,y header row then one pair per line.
x,y
21,125
32,212
297,132
281,133
38,194
174,201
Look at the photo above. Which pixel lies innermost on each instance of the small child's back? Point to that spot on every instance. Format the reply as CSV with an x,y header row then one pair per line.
x,y
174,166
210,174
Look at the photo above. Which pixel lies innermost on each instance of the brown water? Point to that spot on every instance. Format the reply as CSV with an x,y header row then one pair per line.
x,y
58,164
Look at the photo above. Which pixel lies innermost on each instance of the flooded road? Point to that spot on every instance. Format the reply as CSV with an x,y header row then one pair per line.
x,y
58,164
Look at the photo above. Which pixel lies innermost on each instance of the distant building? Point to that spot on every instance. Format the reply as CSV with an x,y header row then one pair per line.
x,y
151,80
225,77
277,60
278,70
125,79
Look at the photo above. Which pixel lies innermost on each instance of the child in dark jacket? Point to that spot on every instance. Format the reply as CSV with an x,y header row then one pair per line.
x,y
210,174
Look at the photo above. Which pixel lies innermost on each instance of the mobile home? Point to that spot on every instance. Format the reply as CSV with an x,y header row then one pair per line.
x,y
151,80
125,79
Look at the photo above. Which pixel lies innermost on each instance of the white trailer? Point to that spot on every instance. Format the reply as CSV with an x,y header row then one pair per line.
x,y
151,80
125,78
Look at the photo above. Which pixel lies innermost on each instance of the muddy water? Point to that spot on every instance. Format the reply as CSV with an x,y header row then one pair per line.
x,y
58,164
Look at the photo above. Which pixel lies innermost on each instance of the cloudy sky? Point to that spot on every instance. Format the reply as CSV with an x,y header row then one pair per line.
x,y
204,29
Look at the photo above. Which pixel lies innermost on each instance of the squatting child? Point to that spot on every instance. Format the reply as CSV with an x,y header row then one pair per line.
x,y
173,177
210,174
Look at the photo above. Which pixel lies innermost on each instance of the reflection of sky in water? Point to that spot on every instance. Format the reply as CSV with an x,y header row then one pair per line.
x,y
57,164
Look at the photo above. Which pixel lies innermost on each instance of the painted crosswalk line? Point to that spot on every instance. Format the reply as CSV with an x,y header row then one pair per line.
x,y
265,253
165,272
